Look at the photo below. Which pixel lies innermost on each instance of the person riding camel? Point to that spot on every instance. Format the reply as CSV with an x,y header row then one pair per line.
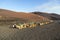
x,y
14,26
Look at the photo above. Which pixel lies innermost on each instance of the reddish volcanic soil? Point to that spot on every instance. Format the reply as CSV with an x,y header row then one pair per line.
x,y
23,15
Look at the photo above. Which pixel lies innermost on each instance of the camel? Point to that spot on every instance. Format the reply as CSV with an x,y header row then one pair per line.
x,y
20,26
47,22
41,23
51,20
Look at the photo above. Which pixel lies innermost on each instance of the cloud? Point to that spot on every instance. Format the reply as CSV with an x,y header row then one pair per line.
x,y
51,7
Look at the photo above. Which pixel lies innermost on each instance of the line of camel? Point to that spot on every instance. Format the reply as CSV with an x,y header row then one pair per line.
x,y
30,25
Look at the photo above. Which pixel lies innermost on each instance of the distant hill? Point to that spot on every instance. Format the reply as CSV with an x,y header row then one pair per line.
x,y
52,16
22,15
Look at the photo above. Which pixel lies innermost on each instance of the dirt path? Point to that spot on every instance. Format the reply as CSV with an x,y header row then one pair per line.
x,y
46,32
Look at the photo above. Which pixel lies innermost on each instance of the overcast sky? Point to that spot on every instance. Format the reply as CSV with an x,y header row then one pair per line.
x,y
52,6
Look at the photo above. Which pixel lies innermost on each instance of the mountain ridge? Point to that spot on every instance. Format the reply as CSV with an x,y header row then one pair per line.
x,y
23,15
52,16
